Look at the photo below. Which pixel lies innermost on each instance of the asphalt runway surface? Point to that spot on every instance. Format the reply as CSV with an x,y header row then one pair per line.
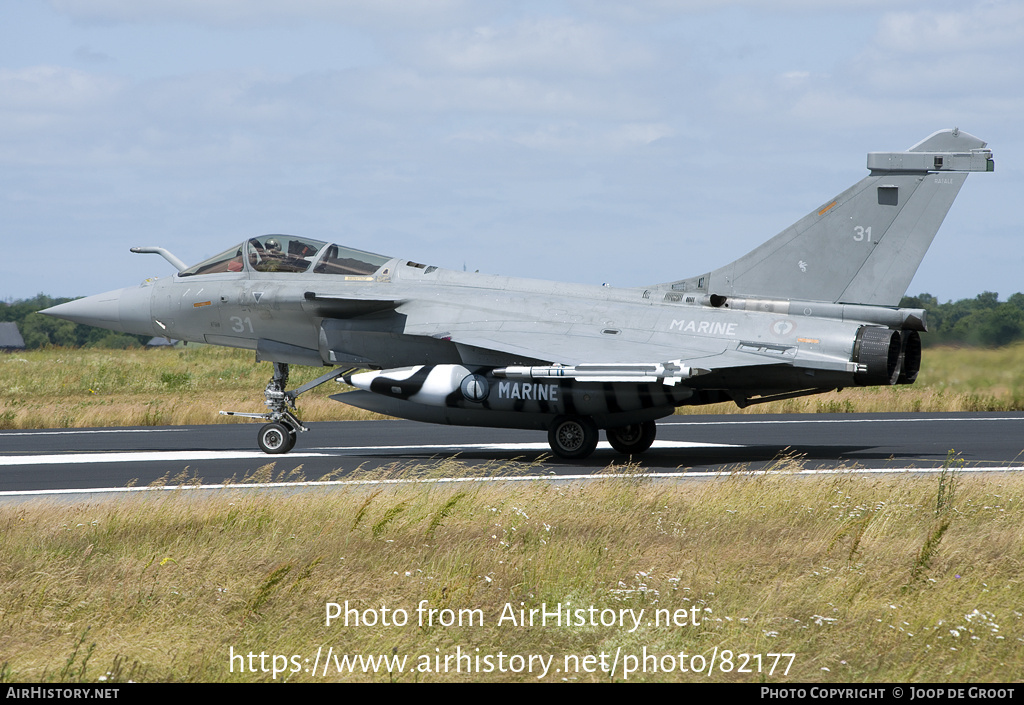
x,y
59,460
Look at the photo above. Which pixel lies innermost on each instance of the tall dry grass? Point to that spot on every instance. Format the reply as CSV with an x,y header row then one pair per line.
x,y
63,388
864,579
92,387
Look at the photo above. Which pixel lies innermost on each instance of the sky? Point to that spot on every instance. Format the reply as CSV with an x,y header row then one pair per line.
x,y
591,141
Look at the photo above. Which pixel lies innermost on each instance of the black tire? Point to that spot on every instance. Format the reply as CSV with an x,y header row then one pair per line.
x,y
633,439
275,438
573,437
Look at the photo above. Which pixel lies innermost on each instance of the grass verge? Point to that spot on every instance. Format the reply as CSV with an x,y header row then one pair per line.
x,y
92,387
862,579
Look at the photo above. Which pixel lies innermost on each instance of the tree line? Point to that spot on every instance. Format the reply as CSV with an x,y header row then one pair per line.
x,y
45,331
982,321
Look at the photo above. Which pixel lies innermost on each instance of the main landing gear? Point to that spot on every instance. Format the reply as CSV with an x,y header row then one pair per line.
x,y
279,435
575,437
633,439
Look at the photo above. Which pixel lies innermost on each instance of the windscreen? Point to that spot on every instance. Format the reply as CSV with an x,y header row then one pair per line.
x,y
289,254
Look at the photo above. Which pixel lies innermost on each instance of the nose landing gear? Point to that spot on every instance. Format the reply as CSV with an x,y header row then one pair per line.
x,y
279,435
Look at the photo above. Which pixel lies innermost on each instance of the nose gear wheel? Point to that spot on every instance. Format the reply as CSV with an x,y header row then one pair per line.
x,y
276,438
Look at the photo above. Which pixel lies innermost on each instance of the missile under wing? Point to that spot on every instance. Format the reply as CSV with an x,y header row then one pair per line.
x,y
813,309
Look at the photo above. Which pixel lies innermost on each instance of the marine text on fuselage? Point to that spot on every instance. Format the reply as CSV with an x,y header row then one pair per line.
x,y
703,327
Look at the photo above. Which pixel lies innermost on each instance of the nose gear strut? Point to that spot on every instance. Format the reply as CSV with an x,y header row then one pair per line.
x,y
278,436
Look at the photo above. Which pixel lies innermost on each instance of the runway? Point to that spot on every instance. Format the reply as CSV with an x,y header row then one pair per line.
x,y
57,460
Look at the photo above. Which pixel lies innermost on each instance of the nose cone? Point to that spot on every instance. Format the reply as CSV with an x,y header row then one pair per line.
x,y
125,310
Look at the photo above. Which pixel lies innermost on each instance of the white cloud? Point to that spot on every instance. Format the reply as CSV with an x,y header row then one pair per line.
x,y
406,90
53,88
972,27
954,63
645,133
88,55
932,68
260,13
553,46
574,137
646,11
793,79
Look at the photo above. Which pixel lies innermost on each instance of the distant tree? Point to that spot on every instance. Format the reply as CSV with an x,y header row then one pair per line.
x,y
987,299
1000,326
983,320
42,331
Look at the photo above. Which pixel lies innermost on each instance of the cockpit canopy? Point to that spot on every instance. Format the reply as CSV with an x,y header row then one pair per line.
x,y
285,253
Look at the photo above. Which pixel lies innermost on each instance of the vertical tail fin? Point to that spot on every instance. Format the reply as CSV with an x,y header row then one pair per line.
x,y
865,245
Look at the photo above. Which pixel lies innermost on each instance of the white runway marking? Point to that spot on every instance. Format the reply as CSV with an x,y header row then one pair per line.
x,y
525,478
192,456
519,446
958,419
145,457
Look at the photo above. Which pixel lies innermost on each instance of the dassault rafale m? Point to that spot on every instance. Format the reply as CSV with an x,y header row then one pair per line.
x,y
813,309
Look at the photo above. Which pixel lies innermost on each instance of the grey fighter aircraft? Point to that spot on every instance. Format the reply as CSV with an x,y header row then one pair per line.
x,y
813,309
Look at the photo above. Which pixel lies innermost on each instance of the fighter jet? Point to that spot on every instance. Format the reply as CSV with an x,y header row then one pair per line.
x,y
813,309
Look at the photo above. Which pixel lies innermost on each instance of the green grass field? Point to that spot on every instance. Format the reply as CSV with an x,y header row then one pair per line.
x,y
93,387
851,578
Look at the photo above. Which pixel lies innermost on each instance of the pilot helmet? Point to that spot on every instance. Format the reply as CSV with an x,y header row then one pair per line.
x,y
272,244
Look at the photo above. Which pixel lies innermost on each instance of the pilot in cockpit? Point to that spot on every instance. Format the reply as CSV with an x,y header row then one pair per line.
x,y
273,257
